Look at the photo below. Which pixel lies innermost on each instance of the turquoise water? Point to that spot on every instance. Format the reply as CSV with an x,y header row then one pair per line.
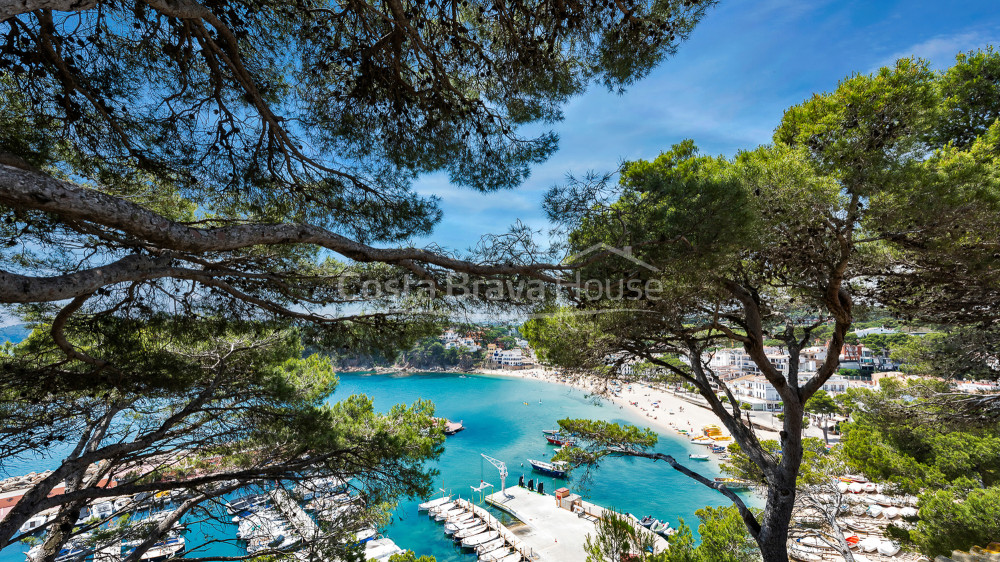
x,y
499,424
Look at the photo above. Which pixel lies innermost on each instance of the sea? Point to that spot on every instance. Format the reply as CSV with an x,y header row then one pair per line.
x,y
504,419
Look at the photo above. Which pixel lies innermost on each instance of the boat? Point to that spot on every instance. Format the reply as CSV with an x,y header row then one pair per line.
x,y
476,540
908,512
891,513
869,487
441,507
433,503
875,511
381,549
657,526
471,531
559,439
451,528
869,544
490,546
888,548
646,521
497,554
854,488
550,431
702,440
451,428
516,557
556,469
445,515
803,554
162,550
698,457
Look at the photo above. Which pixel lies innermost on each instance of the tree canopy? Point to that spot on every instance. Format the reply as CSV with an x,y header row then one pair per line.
x,y
191,194
868,195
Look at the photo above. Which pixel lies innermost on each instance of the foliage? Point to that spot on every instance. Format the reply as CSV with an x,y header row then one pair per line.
x,y
409,556
966,353
886,343
950,522
724,536
891,440
616,538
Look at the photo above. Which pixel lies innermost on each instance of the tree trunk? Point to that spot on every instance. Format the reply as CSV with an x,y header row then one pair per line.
x,y
826,423
773,536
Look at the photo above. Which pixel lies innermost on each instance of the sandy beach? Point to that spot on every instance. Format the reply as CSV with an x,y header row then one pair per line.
x,y
663,410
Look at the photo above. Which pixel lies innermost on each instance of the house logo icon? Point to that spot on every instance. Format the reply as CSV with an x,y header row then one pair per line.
x,y
601,247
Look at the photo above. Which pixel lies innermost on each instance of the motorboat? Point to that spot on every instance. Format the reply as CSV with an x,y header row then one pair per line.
x,y
891,512
497,554
875,511
647,521
869,544
381,549
735,484
559,439
658,526
908,512
556,469
162,550
698,457
441,507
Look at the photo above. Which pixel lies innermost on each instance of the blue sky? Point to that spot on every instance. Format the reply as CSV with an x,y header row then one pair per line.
x,y
726,88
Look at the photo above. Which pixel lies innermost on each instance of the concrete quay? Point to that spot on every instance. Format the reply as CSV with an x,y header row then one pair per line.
x,y
553,533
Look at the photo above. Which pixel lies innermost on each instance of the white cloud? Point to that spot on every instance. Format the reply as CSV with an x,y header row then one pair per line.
x,y
941,50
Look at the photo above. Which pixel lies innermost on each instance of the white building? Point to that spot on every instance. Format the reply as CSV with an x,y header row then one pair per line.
x,y
756,391
869,331
508,357
467,344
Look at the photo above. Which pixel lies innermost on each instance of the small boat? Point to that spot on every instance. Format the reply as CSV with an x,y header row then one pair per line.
x,y
908,512
888,548
842,487
735,484
852,540
444,515
869,487
558,439
550,431
429,505
698,457
875,511
869,544
497,554
891,512
803,554
471,531
647,521
657,526
854,488
490,546
476,540
516,557
557,469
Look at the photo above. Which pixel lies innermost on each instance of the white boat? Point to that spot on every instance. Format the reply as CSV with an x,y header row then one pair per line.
x,y
891,513
869,544
452,528
490,546
103,510
888,548
698,457
381,549
433,503
803,553
908,512
875,511
516,557
855,488
869,487
442,507
471,531
496,554
842,487
443,515
122,502
476,540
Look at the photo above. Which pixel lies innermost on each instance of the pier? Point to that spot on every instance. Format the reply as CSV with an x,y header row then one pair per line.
x,y
555,534
307,528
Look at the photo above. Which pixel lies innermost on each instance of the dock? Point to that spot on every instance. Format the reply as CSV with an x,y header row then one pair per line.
x,y
555,534
306,527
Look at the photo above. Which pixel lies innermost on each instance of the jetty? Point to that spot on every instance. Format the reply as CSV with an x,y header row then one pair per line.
x,y
306,527
554,533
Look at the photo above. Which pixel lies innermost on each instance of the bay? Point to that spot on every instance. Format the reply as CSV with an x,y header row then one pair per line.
x,y
504,418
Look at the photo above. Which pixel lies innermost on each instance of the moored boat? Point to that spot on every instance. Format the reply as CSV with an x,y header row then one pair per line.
x,y
557,469
698,457
433,503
